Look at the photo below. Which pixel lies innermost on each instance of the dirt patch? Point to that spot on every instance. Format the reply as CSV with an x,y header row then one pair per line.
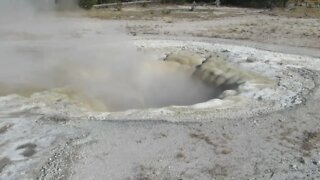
x,y
219,145
204,138
28,149
56,118
180,156
28,152
151,173
5,128
4,162
311,141
218,172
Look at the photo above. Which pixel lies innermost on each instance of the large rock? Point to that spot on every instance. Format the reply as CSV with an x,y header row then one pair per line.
x,y
217,72
185,58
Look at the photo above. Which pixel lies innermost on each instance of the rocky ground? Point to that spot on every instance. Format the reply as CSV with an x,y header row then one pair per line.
x,y
265,131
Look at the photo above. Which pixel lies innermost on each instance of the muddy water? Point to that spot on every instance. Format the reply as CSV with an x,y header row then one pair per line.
x,y
90,58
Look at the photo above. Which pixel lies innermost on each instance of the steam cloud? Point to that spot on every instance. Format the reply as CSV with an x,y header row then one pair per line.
x,y
41,49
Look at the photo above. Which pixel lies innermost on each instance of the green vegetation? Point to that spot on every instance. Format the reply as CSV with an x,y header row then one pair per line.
x,y
244,3
166,11
87,4
107,1
175,1
256,3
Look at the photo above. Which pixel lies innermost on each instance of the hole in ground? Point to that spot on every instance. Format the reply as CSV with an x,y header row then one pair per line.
x,y
178,80
118,84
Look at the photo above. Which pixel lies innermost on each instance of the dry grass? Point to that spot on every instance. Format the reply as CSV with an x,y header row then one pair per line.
x,y
158,12
280,26
277,30
161,12
143,14
298,12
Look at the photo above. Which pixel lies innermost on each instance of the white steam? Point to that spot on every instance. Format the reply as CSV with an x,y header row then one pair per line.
x,y
40,50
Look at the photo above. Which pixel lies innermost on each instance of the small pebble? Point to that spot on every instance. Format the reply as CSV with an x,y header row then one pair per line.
x,y
315,162
250,59
301,160
293,166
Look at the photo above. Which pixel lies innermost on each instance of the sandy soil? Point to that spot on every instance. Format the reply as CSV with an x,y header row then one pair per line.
x,y
292,27
262,132
255,27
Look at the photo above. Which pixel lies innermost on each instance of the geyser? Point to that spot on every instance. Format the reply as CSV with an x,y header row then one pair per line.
x,y
92,58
